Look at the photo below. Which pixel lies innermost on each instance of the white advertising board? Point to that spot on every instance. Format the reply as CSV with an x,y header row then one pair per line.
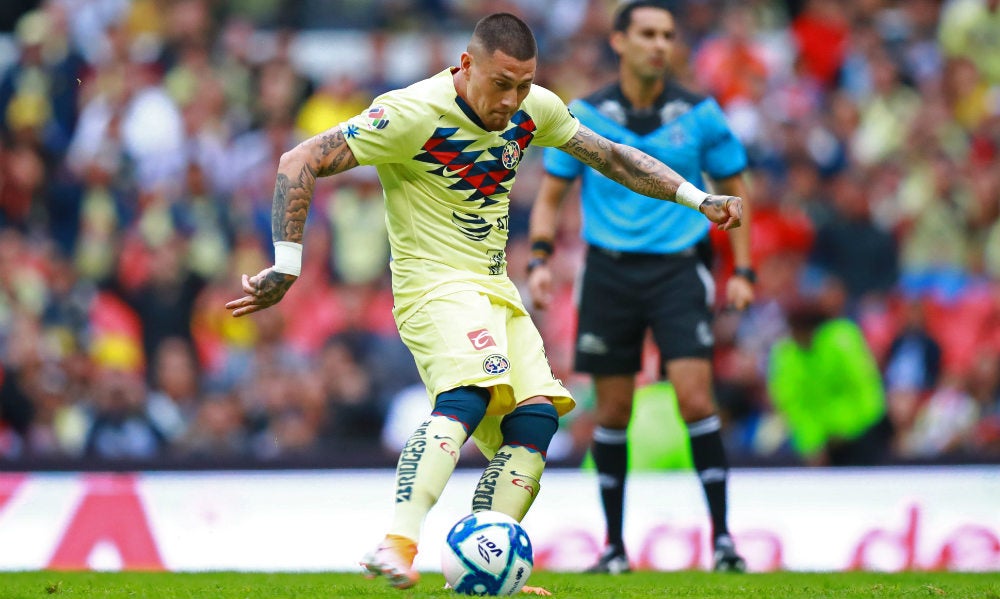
x,y
800,519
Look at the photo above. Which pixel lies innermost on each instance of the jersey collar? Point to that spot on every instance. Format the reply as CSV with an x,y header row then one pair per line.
x,y
469,112
661,99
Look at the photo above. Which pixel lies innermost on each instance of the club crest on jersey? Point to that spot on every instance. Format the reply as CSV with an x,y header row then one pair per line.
x,y
496,364
481,339
378,117
511,154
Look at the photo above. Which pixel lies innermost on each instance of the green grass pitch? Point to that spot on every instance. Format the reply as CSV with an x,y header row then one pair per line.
x,y
644,585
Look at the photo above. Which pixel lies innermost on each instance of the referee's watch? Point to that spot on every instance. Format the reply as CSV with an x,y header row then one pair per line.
x,y
746,272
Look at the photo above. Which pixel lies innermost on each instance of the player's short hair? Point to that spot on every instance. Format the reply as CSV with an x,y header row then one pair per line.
x,y
623,16
504,32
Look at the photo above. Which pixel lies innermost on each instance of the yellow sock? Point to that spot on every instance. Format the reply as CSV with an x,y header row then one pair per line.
x,y
510,482
424,467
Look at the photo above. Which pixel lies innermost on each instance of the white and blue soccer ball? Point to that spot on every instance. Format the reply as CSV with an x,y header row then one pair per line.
x,y
487,553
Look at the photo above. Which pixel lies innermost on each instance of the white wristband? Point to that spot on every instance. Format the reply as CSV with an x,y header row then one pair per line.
x,y
287,257
690,196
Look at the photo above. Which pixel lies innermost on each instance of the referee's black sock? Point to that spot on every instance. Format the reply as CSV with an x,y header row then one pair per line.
x,y
713,469
610,451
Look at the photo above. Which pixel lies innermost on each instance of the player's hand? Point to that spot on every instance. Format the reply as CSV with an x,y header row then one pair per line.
x,y
725,211
540,286
264,289
739,293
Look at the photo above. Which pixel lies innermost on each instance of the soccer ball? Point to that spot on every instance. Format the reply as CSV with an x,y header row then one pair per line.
x,y
487,553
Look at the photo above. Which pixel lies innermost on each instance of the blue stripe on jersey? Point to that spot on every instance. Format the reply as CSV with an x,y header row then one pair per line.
x,y
617,218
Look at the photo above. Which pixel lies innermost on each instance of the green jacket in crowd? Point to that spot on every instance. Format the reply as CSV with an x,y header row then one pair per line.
x,y
827,391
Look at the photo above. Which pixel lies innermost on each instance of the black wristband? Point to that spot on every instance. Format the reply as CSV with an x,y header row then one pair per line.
x,y
746,272
535,262
542,248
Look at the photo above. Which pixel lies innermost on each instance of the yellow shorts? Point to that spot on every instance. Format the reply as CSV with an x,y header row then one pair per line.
x,y
465,339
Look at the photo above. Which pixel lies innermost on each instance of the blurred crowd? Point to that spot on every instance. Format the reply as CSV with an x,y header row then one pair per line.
x,y
137,161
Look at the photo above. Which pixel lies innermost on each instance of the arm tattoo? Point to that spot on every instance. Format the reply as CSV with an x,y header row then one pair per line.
x,y
273,287
647,175
278,206
626,165
335,156
321,156
589,148
290,205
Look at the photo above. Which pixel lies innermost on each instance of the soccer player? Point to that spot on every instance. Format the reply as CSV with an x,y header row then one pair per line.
x,y
446,150
647,264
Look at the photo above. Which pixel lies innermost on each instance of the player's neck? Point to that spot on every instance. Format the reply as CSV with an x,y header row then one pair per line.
x,y
641,93
458,79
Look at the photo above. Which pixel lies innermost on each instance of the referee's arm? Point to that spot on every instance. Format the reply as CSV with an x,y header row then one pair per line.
x,y
542,232
739,288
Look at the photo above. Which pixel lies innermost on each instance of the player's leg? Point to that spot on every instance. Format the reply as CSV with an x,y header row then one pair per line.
x,y
451,363
683,331
610,333
517,442
512,480
425,465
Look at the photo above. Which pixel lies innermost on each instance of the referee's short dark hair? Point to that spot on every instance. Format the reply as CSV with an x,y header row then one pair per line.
x,y
623,16
504,32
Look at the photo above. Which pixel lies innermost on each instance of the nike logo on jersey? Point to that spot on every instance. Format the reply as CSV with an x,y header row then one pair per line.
x,y
458,172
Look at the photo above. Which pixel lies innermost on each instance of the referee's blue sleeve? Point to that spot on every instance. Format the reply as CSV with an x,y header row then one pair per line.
x,y
561,164
722,155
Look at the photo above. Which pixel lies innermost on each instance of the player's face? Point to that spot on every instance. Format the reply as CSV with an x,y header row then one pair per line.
x,y
646,46
496,85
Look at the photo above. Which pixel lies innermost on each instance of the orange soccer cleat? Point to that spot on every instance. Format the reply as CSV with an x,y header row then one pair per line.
x,y
393,558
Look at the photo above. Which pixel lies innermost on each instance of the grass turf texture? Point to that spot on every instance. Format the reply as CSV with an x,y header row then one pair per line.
x,y
644,585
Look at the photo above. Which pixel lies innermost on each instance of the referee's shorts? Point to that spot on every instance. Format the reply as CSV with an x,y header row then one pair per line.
x,y
622,294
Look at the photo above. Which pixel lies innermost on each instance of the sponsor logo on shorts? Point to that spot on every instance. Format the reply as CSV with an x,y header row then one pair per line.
x,y
496,364
481,339
704,333
590,343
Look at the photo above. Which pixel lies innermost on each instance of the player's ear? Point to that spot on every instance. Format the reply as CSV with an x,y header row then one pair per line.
x,y
466,62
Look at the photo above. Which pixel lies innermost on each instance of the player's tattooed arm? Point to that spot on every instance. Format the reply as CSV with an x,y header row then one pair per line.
x,y
634,169
644,174
320,156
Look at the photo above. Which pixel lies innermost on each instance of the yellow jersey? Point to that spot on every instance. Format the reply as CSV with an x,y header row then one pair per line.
x,y
446,182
